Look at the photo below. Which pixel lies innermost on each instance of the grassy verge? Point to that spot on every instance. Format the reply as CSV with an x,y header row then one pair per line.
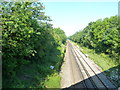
x,y
41,74
100,59
109,65
53,81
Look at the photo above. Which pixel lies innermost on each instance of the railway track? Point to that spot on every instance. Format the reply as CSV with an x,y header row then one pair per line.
x,y
85,74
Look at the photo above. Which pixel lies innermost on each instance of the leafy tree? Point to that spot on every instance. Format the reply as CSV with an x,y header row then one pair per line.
x,y
102,36
26,36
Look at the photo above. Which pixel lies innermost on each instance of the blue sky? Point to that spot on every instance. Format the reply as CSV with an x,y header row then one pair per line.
x,y
75,16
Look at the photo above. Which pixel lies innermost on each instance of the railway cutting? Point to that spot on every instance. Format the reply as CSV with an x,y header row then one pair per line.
x,y
78,71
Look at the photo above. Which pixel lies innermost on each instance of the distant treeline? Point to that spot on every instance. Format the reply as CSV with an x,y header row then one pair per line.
x,y
27,36
102,35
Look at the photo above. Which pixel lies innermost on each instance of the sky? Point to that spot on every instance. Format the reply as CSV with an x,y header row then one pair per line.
x,y
74,16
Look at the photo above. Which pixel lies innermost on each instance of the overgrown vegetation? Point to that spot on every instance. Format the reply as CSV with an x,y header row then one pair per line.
x,y
101,41
30,45
102,36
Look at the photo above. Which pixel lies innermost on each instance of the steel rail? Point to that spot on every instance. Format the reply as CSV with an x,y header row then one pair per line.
x,y
102,78
106,85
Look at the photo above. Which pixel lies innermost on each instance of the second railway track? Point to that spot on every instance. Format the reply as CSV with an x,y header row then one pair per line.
x,y
84,73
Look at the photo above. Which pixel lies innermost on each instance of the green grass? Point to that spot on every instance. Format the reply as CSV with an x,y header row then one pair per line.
x,y
53,81
102,60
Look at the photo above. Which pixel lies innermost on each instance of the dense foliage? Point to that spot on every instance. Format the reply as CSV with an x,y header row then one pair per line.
x,y
27,37
102,36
